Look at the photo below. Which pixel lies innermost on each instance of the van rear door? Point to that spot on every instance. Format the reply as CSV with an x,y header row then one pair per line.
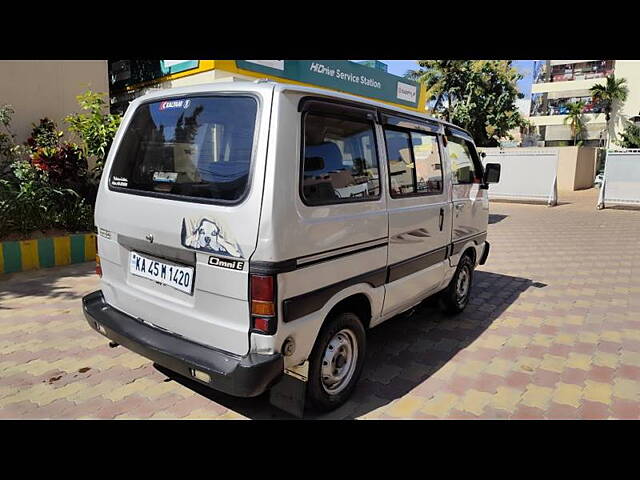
x,y
178,212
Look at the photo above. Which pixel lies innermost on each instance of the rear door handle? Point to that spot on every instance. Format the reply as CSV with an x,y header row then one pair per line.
x,y
441,218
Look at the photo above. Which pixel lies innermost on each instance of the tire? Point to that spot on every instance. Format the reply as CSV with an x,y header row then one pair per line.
x,y
344,335
455,297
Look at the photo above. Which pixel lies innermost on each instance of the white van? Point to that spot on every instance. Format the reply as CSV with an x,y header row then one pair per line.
x,y
248,230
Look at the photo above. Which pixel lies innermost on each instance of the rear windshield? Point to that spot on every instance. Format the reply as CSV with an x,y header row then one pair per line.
x,y
189,147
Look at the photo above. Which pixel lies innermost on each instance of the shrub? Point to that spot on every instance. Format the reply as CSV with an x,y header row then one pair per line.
x,y
96,128
33,203
9,151
44,135
63,161
77,214
64,164
36,201
46,188
7,202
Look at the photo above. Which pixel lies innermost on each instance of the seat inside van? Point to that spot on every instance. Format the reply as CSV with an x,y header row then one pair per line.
x,y
321,183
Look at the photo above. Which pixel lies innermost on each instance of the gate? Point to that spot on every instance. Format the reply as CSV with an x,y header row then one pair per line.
x,y
528,175
621,184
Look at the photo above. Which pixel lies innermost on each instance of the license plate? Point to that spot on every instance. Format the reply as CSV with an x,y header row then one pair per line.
x,y
176,276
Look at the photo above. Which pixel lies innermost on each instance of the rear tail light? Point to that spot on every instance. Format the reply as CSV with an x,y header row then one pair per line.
x,y
263,304
262,308
98,266
261,324
262,288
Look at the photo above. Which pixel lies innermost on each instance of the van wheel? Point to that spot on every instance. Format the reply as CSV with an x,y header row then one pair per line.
x,y
336,361
455,297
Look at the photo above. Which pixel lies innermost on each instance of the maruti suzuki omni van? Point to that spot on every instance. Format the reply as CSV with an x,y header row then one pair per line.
x,y
251,230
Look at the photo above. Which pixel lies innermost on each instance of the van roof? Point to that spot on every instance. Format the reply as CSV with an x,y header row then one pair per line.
x,y
267,85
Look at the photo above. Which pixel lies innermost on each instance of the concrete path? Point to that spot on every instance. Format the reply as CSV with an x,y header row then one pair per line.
x,y
553,331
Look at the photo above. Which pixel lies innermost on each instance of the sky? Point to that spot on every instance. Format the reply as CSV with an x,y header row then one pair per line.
x,y
400,67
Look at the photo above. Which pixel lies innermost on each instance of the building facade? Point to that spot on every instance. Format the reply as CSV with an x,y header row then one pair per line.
x,y
129,79
556,83
375,64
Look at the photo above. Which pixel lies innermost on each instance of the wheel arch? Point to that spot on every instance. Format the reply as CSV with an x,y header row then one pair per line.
x,y
471,252
357,303
362,299
470,248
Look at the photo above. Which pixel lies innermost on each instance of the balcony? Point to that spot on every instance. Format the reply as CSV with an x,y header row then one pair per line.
x,y
559,106
572,72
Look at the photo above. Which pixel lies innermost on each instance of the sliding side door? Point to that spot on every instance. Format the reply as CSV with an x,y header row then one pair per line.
x,y
419,213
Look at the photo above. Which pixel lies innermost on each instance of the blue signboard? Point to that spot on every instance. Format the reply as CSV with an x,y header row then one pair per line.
x,y
176,66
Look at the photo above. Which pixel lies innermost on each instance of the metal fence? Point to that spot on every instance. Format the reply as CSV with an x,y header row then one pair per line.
x,y
621,184
527,175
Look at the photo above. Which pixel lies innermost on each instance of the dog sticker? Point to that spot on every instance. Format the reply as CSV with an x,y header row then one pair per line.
x,y
208,236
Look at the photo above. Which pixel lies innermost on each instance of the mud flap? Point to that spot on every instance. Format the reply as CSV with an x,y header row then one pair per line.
x,y
290,393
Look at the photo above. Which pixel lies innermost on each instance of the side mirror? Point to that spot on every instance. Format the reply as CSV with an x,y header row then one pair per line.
x,y
491,173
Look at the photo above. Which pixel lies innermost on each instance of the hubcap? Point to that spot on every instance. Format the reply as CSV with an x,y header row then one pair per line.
x,y
462,286
339,361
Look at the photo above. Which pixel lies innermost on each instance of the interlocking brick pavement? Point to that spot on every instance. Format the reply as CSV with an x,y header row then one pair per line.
x,y
552,331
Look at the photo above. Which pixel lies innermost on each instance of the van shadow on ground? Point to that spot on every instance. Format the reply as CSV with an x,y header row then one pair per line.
x,y
44,283
496,217
402,353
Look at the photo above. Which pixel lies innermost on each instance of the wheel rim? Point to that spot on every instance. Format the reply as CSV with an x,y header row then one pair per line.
x,y
339,361
462,285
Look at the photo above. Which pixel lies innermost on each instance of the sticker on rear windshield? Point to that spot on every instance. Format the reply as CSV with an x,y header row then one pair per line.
x,y
167,104
119,181
165,177
210,236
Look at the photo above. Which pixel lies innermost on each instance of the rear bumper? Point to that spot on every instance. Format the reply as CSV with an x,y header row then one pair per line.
x,y
241,376
485,253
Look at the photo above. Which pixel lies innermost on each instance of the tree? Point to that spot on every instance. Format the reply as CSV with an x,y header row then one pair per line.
x,y
478,95
576,120
443,80
630,136
96,128
609,96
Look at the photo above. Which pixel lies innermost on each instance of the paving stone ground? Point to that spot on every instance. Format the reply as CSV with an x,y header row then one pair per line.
x,y
552,332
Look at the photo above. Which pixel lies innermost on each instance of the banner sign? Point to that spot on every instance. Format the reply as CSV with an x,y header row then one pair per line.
x,y
341,75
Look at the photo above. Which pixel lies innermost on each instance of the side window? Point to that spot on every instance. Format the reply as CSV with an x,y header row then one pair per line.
x,y
414,163
340,161
461,154
400,162
428,166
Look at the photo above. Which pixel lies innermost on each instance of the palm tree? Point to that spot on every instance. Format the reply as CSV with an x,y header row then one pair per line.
x,y
575,118
443,80
609,96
